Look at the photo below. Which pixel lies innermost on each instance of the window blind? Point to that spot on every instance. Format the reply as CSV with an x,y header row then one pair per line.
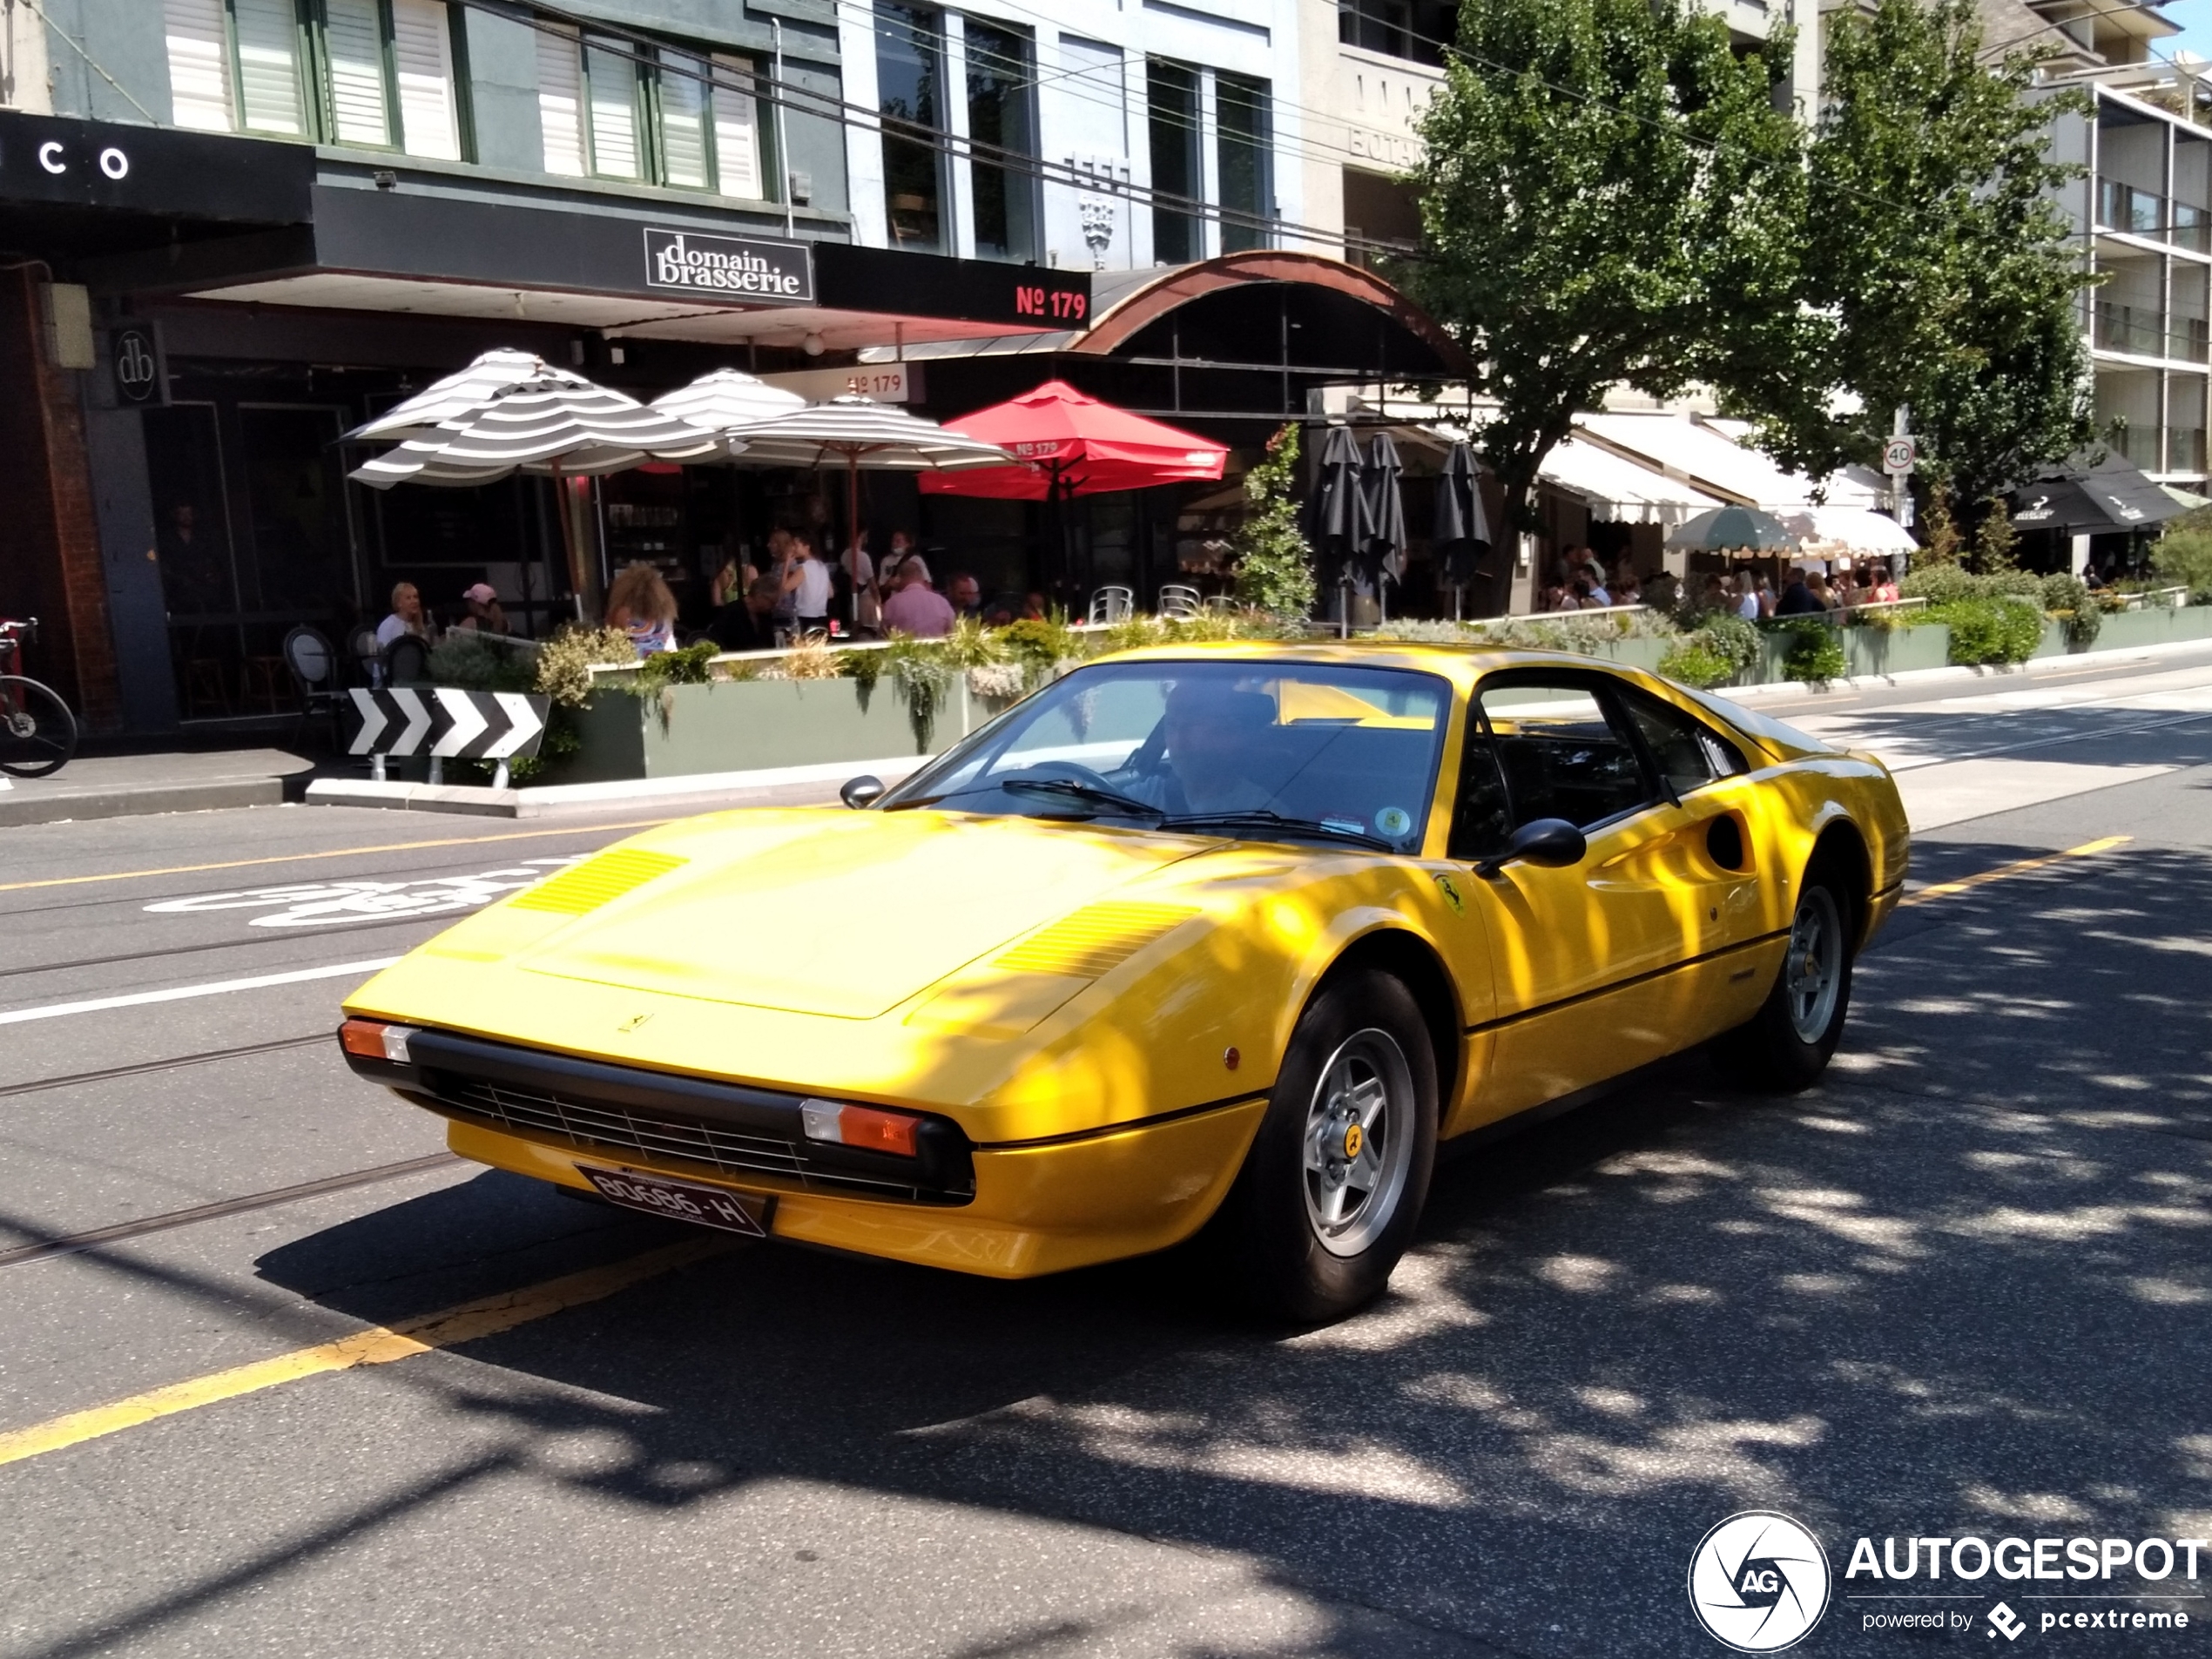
x,y
737,139
612,78
560,100
353,37
199,65
683,120
422,52
268,66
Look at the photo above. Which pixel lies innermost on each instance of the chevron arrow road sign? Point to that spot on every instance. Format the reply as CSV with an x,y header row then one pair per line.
x,y
446,723
470,718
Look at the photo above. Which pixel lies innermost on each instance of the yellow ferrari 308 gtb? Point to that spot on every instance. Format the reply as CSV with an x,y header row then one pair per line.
x,y
1224,937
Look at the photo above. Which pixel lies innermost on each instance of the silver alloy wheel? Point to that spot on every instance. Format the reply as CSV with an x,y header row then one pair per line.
x,y
1359,1140
1812,974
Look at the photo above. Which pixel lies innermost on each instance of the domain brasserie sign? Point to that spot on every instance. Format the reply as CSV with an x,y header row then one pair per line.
x,y
730,267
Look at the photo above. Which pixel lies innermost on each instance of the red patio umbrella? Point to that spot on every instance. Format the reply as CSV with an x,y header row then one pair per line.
x,y
1074,445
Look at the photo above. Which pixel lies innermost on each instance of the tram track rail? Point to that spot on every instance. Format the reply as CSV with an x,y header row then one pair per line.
x,y
110,1074
72,1244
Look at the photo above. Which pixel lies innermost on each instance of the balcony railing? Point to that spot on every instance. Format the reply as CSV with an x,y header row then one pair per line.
x,y
2184,449
2137,329
2142,213
2189,339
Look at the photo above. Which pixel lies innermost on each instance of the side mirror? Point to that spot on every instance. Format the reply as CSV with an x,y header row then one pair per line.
x,y
862,792
1550,843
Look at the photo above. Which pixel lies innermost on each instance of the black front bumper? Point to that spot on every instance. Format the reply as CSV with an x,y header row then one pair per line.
x,y
665,1119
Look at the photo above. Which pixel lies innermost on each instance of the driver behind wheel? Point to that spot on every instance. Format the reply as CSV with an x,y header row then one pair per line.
x,y
1214,741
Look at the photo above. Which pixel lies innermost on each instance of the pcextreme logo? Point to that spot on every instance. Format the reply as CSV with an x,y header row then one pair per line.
x,y
1758,1582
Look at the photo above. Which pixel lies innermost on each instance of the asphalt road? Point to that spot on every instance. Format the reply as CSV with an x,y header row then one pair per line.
x,y
1959,1288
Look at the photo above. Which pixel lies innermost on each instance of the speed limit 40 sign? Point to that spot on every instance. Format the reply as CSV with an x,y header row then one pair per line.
x,y
1898,455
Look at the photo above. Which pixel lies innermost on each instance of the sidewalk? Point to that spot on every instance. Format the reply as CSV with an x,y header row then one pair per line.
x,y
125,786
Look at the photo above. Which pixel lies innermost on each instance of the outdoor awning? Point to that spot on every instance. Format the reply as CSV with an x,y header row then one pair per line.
x,y
2111,496
1616,488
1709,457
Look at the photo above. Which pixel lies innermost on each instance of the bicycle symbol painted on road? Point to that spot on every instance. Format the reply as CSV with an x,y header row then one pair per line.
x,y
314,904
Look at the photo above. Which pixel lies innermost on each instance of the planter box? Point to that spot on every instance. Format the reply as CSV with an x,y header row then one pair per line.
x,y
745,725
2153,625
1876,653
1637,654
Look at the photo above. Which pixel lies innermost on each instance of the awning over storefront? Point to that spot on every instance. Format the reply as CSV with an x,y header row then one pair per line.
x,y
1709,456
678,274
1618,489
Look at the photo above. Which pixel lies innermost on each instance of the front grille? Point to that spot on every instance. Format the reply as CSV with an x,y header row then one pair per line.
x,y
596,1126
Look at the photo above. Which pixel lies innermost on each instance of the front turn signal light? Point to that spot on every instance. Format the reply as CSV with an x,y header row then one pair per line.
x,y
373,1040
862,1127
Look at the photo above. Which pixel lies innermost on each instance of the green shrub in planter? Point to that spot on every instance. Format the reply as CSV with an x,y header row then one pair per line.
x,y
1694,663
1997,629
2066,597
2185,557
1816,649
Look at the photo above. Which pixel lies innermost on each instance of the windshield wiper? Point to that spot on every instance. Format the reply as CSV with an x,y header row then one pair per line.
x,y
1076,791
1261,819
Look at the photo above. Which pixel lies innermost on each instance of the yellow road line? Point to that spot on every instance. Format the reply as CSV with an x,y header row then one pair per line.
x,y
1945,889
339,853
378,1345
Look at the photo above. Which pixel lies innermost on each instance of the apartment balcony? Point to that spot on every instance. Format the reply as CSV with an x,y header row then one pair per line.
x,y
2126,208
2138,330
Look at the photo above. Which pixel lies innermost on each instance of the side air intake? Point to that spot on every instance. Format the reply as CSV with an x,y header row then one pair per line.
x,y
1094,940
596,881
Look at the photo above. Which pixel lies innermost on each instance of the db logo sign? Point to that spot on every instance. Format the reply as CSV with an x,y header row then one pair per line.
x,y
1758,1582
137,370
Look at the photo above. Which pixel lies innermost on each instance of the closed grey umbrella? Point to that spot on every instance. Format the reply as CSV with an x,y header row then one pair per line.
x,y
1382,554
1461,533
1336,513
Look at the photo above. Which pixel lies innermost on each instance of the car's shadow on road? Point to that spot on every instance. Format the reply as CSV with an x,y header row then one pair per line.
x,y
1959,1288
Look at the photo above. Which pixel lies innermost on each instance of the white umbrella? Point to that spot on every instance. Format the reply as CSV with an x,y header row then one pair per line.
x,y
728,398
460,394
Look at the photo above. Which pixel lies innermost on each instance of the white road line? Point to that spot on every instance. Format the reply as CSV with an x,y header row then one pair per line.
x,y
214,987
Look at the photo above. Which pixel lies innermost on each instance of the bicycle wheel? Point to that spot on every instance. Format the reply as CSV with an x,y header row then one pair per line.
x,y
37,733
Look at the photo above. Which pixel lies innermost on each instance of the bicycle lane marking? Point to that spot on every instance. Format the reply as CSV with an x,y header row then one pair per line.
x,y
311,904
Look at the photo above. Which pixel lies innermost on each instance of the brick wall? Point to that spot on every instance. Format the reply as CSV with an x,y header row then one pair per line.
x,y
50,543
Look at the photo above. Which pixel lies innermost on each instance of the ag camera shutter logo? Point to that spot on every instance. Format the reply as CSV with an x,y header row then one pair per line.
x,y
1758,1582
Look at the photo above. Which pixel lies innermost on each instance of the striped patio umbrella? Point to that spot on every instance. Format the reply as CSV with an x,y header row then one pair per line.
x,y
460,394
860,432
727,399
558,426
553,425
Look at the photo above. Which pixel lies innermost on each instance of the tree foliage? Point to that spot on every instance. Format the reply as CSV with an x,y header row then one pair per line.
x,y
1608,195
1940,272
1274,564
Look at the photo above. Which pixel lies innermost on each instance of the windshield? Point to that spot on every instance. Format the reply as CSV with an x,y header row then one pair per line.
x,y
1267,749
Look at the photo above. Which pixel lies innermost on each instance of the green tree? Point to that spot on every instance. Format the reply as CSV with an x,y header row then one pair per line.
x,y
1274,564
1608,195
1940,272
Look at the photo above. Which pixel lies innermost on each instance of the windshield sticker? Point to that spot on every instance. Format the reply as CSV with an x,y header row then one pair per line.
x,y
1347,825
1394,822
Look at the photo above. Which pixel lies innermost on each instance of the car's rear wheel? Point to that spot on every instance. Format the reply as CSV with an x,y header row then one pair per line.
x,y
1332,1187
1789,1042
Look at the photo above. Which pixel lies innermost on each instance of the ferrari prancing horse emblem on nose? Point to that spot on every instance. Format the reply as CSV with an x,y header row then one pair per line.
x,y
1452,895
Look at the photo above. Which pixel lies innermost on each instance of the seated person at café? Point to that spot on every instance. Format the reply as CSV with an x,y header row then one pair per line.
x,y
749,624
640,604
917,609
483,613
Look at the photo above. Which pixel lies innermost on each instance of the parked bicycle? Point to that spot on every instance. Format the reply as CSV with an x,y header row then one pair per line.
x,y
37,733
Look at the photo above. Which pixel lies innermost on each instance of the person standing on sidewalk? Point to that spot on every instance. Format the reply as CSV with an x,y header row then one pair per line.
x,y
808,583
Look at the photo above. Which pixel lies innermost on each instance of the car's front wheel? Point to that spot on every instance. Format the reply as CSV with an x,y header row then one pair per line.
x,y
1790,1042
1332,1187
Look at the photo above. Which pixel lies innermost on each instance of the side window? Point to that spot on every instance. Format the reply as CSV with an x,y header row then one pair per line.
x,y
1560,753
1482,817
1688,753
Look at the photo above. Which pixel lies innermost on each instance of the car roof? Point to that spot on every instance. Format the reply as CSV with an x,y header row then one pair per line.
x,y
1461,663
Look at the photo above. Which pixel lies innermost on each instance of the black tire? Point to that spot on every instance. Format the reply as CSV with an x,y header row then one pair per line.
x,y
37,733
1789,1042
1284,1255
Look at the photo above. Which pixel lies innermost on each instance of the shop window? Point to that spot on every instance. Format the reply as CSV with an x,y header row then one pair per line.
x,y
1172,96
376,74
909,68
1001,119
1241,122
617,108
